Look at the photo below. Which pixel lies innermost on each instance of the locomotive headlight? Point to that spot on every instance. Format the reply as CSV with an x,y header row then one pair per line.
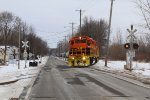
x,y
80,37
72,58
83,58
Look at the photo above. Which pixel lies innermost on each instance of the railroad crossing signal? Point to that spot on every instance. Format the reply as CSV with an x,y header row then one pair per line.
x,y
131,46
25,54
127,46
25,44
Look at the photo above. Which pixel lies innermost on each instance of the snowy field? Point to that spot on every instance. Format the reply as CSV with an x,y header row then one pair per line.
x,y
138,67
20,77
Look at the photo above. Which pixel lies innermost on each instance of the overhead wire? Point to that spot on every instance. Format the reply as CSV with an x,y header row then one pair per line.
x,y
85,3
54,33
54,38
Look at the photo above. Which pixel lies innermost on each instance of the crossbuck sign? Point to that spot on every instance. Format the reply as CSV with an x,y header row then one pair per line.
x,y
25,44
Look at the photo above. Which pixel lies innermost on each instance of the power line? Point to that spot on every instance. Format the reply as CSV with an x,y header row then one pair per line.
x,y
54,34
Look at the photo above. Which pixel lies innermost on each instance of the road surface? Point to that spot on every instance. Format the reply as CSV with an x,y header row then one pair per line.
x,y
57,81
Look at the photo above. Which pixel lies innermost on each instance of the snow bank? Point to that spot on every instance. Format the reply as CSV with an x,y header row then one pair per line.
x,y
23,75
138,67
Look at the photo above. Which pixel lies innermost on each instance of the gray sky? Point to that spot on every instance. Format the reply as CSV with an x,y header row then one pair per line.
x,y
49,17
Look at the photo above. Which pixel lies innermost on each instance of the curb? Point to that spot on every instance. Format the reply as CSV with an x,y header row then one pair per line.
x,y
29,87
26,91
9,82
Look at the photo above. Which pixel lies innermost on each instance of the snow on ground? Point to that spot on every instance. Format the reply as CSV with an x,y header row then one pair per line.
x,y
22,76
138,67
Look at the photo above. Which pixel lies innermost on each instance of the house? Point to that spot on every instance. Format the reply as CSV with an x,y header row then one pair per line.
x,y
11,53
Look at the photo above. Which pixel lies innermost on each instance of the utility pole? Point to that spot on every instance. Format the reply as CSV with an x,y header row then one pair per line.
x,y
108,36
59,48
72,23
80,19
65,47
19,45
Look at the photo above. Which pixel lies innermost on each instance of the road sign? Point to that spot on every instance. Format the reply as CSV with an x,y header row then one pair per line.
x,y
25,54
25,44
30,55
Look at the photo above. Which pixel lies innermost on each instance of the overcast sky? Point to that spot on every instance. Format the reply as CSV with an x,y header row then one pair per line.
x,y
49,17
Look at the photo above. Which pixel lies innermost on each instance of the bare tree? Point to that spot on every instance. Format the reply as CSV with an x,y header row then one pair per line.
x,y
144,6
117,51
144,42
6,26
12,26
118,38
96,29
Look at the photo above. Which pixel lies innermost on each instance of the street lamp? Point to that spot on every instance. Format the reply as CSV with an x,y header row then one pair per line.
x,y
108,36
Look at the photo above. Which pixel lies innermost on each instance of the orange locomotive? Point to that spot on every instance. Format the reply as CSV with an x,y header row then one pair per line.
x,y
83,51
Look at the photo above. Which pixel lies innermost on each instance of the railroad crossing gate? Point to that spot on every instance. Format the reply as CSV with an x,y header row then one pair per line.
x,y
131,46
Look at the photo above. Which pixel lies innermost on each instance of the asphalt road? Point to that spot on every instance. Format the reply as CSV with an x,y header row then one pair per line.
x,y
57,81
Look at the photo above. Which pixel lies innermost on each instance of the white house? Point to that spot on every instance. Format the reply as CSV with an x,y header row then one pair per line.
x,y
11,53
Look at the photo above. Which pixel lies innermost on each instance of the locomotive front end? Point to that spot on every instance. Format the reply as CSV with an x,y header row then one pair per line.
x,y
82,51
78,60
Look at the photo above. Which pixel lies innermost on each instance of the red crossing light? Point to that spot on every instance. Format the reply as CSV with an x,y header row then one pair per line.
x,y
135,46
127,46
